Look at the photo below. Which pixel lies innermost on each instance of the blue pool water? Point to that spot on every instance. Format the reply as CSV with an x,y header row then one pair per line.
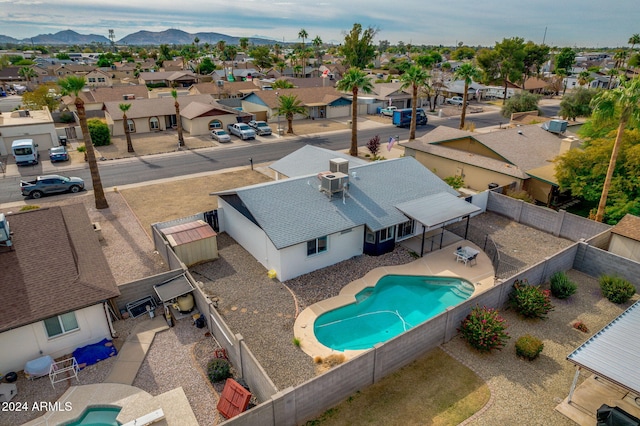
x,y
396,304
98,416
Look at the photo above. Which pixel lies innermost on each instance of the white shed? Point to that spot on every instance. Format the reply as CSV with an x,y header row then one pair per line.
x,y
625,238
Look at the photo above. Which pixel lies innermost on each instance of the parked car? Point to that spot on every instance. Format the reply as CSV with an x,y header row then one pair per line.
x,y
220,135
388,111
58,153
242,130
261,127
456,100
50,184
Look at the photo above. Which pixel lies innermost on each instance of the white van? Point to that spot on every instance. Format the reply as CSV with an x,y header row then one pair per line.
x,y
24,151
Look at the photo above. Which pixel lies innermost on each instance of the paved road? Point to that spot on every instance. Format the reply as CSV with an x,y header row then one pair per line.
x,y
148,168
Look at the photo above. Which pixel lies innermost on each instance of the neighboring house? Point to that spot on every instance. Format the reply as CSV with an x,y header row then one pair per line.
x,y
98,78
168,78
521,157
56,284
95,98
456,88
389,94
625,238
222,89
337,211
157,114
65,70
537,85
321,102
9,76
37,125
173,65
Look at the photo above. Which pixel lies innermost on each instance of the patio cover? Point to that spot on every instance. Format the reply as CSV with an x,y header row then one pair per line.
x,y
173,288
435,210
614,352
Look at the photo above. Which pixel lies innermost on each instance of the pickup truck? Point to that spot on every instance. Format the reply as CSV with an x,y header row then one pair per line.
x,y
456,100
388,112
261,127
241,130
50,184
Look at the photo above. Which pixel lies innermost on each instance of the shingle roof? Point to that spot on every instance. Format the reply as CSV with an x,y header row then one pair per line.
x,y
292,211
310,160
629,226
305,95
56,266
141,108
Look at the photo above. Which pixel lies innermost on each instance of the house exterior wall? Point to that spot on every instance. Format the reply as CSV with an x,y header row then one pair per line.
x,y
470,145
200,125
31,341
43,134
539,190
475,178
625,247
340,246
141,124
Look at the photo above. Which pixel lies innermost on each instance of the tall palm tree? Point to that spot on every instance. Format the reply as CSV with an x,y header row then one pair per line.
x,y
317,44
624,101
633,40
354,80
468,73
244,43
74,84
174,93
415,77
289,105
303,34
125,122
584,78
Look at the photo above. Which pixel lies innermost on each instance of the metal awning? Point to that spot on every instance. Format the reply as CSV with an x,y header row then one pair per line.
x,y
173,288
612,353
437,209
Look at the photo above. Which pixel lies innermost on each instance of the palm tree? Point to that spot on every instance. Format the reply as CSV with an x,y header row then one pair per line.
x,y
74,84
27,73
468,73
317,44
584,78
561,74
174,93
354,80
125,122
633,40
624,101
416,77
303,34
289,105
244,43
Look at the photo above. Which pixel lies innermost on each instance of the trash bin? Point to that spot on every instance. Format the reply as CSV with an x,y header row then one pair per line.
x,y
63,140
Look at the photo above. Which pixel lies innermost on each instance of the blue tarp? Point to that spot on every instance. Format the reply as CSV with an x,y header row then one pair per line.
x,y
91,354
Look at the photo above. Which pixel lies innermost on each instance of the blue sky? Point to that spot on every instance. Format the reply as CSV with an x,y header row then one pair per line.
x,y
582,23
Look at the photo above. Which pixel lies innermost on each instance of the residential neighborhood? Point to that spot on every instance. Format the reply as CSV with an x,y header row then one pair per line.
x,y
186,272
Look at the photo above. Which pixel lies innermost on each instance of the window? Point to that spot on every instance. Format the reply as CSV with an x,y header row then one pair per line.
x,y
101,80
132,126
319,245
92,79
61,324
386,234
154,124
215,124
370,237
406,229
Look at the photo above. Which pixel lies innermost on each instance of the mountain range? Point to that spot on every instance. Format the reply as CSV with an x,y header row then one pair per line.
x,y
170,36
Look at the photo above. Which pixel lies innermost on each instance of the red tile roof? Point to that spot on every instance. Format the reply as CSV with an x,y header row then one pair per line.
x,y
56,266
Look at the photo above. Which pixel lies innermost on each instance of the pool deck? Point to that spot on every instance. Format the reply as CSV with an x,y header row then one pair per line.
x,y
437,263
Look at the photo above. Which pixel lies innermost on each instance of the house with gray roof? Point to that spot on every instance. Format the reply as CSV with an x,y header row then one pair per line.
x,y
520,157
308,222
56,285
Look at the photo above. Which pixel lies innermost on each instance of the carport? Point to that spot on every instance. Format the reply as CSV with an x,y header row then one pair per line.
x,y
436,211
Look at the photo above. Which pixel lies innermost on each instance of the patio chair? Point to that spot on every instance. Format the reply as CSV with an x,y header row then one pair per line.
x,y
472,260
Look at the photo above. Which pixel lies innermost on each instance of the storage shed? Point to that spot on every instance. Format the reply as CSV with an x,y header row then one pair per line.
x,y
625,238
193,242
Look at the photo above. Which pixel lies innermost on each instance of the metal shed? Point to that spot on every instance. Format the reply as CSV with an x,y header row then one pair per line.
x,y
193,242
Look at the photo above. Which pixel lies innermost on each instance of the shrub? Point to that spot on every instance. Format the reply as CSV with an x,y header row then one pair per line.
x,y
81,148
520,194
484,329
561,286
530,301
29,207
374,146
218,369
616,289
529,347
296,341
66,117
456,182
99,132
579,325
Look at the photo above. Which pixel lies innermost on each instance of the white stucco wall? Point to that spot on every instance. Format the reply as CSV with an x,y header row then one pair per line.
x,y
43,134
30,342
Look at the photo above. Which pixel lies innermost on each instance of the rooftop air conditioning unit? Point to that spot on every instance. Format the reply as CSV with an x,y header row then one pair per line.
x,y
220,82
334,182
339,165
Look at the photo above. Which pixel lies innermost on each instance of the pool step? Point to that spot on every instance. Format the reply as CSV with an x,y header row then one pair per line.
x,y
463,290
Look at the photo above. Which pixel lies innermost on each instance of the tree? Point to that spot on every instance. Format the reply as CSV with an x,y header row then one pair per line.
x,y
463,52
317,46
27,73
576,104
165,53
633,40
290,105
174,93
520,102
41,97
561,74
207,66
282,84
584,78
623,101
99,132
73,85
261,56
511,61
244,43
415,77
358,48
125,123
354,80
466,72
565,58
535,55
303,34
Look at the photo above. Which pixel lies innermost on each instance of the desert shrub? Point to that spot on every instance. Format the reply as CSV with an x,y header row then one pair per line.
x,y
529,300
616,289
296,341
529,347
99,132
67,117
218,369
579,325
374,146
455,182
520,194
29,207
484,329
561,286
81,148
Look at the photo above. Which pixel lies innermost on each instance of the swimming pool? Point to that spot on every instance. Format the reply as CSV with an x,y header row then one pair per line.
x,y
394,305
98,416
